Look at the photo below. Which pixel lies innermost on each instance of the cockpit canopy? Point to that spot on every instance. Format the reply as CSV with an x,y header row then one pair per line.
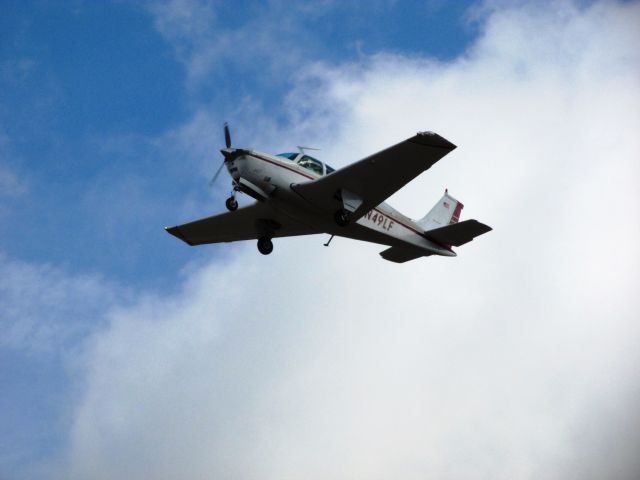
x,y
308,162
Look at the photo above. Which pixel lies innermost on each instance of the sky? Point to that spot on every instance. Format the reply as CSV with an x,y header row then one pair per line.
x,y
126,354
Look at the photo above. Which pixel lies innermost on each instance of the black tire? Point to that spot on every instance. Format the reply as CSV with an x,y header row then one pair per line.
x,y
265,245
342,217
231,204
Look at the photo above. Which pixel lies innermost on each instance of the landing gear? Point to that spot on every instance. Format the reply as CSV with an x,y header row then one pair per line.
x,y
265,245
342,217
231,204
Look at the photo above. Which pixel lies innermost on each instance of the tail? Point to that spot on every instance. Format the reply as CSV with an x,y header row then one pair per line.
x,y
445,212
441,223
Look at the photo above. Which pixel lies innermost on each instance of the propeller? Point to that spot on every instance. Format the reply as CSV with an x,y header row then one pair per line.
x,y
215,176
227,135
227,141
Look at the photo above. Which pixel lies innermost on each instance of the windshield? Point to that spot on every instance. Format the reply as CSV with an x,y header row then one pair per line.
x,y
312,164
288,156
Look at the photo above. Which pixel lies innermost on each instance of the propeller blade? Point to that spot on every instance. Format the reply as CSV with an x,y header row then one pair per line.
x,y
227,135
215,176
227,141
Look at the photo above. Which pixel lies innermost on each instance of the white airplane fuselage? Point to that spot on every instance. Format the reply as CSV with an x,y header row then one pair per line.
x,y
269,178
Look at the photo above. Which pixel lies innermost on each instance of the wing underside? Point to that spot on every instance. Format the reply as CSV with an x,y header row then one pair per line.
x,y
246,223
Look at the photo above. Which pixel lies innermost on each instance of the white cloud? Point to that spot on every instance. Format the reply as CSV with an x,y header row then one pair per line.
x,y
208,44
45,309
514,360
199,38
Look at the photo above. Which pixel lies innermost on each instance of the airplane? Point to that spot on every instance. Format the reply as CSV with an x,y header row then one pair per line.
x,y
297,194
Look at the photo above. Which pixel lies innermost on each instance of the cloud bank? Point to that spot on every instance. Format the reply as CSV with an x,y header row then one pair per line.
x,y
514,360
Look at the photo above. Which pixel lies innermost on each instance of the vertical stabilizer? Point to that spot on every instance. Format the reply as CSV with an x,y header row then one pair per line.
x,y
445,212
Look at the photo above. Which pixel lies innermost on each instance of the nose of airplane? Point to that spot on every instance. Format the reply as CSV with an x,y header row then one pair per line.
x,y
228,153
232,153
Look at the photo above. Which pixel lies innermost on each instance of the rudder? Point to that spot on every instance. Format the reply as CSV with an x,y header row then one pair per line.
x,y
445,212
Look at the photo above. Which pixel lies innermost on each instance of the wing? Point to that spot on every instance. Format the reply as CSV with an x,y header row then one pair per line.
x,y
458,234
245,223
377,177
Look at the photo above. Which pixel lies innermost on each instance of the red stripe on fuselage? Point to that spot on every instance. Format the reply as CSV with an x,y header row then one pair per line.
x,y
399,222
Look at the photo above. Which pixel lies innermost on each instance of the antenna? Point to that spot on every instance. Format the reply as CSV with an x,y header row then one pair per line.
x,y
302,149
327,244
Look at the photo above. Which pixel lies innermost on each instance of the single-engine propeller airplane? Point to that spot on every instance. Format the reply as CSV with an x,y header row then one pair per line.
x,y
299,195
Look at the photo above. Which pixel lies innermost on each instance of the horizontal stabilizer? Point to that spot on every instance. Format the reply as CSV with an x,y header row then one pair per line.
x,y
458,234
403,254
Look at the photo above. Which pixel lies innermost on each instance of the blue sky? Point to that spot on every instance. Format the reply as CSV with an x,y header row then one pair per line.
x,y
111,119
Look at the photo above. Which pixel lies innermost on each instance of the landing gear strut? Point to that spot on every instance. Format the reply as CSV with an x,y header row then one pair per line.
x,y
342,217
265,245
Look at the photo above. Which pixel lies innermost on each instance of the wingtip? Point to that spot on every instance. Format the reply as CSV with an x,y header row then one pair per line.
x,y
175,231
432,139
485,228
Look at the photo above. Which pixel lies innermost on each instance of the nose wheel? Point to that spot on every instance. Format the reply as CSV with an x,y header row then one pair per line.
x,y
265,245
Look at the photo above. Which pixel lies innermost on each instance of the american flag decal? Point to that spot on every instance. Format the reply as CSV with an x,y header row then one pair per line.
x,y
446,205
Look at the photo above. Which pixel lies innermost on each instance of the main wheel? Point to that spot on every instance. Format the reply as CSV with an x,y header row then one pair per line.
x,y
342,217
265,245
231,204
